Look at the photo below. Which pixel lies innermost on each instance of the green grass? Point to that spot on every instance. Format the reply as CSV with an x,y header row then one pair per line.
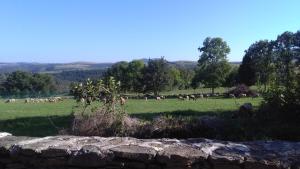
x,y
193,91
150,108
34,119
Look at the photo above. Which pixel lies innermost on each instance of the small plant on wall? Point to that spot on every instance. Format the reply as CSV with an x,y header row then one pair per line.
x,y
103,108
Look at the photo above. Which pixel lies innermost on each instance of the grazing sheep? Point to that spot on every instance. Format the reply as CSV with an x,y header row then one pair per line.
x,y
10,101
207,95
243,95
82,100
201,96
215,95
53,99
180,98
231,96
158,98
122,101
187,98
58,98
163,97
255,95
193,97
27,100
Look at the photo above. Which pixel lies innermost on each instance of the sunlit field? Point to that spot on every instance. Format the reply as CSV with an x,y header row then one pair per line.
x,y
41,119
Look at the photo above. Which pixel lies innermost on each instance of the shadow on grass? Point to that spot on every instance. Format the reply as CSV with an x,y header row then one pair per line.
x,y
50,125
182,113
35,126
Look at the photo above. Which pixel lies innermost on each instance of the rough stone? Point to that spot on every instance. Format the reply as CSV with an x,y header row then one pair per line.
x,y
134,152
71,152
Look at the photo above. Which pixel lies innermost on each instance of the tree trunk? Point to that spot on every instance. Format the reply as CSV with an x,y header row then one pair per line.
x,y
265,87
213,90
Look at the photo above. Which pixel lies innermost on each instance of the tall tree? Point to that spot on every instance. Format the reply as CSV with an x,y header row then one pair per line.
x,y
134,75
187,76
119,72
247,71
257,65
22,84
232,78
297,41
213,66
175,78
286,52
156,76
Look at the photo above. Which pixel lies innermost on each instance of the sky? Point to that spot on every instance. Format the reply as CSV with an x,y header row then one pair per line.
x,y
61,31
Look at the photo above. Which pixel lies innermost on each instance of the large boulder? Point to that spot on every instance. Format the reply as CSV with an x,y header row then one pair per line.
x,y
245,110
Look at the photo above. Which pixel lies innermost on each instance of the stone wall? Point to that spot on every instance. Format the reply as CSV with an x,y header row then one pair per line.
x,y
71,152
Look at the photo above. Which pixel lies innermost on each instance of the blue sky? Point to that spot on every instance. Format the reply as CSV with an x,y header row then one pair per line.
x,y
114,30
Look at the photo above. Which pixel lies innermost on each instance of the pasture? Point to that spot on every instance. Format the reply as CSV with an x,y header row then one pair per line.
x,y
41,119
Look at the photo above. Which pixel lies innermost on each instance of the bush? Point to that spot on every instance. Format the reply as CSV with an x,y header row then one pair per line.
x,y
101,123
241,89
104,119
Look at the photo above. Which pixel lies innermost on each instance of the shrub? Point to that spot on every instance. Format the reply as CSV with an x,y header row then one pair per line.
x,y
241,89
107,118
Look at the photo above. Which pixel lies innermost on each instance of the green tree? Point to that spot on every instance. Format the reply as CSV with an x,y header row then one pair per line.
x,y
156,76
213,66
247,71
119,72
187,76
232,78
257,65
286,52
22,84
42,84
283,95
175,78
134,75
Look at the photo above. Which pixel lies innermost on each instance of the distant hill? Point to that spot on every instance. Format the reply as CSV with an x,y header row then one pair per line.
x,y
55,68
51,67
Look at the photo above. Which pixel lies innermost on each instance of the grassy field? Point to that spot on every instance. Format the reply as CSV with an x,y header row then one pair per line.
x,y
198,90
35,119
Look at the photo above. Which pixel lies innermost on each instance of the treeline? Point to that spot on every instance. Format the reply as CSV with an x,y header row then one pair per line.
x,y
266,62
276,65
24,84
158,75
152,77
79,75
263,63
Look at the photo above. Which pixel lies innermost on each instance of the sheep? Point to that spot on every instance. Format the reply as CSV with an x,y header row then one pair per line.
x,y
52,100
180,98
158,98
215,95
122,101
82,100
10,101
187,97
255,95
243,95
201,96
27,100
58,98
193,97
231,96
207,95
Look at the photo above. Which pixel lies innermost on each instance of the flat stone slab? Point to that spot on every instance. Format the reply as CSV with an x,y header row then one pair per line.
x,y
126,152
